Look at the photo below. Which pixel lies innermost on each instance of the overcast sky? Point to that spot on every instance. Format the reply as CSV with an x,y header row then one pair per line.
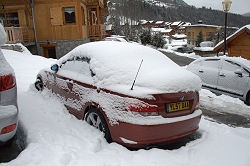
x,y
238,6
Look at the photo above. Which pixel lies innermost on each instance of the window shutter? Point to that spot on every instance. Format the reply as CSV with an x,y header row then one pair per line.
x,y
56,16
22,18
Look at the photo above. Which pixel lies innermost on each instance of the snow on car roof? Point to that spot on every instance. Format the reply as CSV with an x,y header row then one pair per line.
x,y
5,68
115,65
3,35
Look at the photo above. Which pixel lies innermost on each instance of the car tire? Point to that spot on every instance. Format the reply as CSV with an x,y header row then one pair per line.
x,y
247,101
95,118
39,85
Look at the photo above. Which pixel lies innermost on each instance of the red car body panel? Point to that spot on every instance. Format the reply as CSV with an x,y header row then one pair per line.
x,y
141,136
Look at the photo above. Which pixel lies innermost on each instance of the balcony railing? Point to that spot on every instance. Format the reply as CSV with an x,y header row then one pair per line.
x,y
95,2
18,34
97,31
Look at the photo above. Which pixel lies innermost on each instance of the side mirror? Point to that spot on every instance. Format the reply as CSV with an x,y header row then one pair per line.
x,y
55,67
239,72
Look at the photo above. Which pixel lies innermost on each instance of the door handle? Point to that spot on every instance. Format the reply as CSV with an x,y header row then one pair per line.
x,y
222,75
201,71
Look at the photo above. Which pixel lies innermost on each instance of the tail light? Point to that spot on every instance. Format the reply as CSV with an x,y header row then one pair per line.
x,y
145,110
8,129
7,82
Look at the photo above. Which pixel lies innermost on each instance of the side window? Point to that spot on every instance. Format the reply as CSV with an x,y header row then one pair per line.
x,y
211,63
69,15
230,66
77,69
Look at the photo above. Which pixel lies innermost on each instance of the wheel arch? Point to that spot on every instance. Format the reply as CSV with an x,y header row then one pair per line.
x,y
247,99
97,106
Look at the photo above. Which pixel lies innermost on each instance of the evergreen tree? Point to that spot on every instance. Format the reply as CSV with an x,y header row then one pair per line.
x,y
158,40
145,37
199,39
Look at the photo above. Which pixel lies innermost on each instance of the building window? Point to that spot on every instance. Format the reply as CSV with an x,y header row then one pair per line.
x,y
10,19
69,15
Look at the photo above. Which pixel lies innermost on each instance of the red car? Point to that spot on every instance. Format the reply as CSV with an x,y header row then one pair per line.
x,y
134,94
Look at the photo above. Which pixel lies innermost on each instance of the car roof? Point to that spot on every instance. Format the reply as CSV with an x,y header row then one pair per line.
x,y
116,63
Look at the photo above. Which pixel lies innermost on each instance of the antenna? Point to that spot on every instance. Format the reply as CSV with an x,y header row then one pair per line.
x,y
136,75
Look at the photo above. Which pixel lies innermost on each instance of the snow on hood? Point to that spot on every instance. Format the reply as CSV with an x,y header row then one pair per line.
x,y
115,65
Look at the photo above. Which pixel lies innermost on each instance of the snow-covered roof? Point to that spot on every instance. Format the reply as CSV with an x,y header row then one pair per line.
x,y
203,25
167,23
179,36
176,23
231,36
159,22
143,21
186,24
163,30
168,30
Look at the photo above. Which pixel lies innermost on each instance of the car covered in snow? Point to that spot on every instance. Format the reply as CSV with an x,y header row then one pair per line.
x,y
224,75
116,38
184,50
134,94
8,97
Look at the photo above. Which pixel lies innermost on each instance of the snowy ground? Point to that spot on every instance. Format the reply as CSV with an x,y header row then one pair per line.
x,y
56,138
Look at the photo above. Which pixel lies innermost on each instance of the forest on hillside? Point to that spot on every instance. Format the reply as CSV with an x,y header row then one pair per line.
x,y
134,10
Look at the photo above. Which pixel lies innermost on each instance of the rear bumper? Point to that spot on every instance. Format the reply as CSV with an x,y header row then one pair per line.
x,y
141,136
8,116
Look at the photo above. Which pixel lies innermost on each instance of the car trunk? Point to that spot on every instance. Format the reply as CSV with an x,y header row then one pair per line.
x,y
175,104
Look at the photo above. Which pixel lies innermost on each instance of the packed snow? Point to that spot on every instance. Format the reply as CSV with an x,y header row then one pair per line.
x,y
55,137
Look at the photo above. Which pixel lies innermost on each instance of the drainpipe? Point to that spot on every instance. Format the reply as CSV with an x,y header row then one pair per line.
x,y
34,25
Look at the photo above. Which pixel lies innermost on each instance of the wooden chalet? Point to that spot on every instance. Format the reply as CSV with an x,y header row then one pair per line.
x,y
238,44
192,32
54,26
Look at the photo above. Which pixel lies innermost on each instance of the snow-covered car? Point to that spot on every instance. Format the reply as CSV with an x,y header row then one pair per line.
x,y
8,97
116,38
224,75
184,50
134,94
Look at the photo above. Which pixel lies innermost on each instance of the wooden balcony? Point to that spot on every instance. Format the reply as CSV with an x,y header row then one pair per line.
x,y
19,34
97,31
95,3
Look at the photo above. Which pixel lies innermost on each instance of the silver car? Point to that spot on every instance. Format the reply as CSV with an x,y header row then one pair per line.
x,y
8,98
224,75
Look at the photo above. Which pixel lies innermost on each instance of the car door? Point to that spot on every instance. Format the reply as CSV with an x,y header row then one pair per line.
x,y
233,78
72,74
209,73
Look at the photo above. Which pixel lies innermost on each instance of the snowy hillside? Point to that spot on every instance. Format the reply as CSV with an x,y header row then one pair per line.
x,y
167,3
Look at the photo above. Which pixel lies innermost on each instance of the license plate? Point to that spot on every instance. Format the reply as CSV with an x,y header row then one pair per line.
x,y
172,107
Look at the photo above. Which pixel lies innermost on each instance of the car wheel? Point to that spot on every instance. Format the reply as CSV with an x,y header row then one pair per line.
x,y
247,101
95,118
39,85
